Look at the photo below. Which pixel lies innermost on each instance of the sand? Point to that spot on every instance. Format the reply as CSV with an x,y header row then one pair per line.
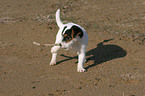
x,y
115,53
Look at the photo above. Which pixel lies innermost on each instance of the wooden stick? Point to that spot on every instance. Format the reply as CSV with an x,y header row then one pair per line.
x,y
45,45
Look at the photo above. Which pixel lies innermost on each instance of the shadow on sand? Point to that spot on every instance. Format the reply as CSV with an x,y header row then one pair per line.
x,y
101,53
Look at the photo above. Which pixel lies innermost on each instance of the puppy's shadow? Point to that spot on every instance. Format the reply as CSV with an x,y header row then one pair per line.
x,y
101,53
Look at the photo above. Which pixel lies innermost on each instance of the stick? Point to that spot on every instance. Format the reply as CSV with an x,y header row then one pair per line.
x,y
46,45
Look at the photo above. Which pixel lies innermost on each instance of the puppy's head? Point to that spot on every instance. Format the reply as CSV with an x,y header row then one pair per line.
x,y
72,33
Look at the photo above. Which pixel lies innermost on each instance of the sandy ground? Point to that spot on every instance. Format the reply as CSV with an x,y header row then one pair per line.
x,y
115,55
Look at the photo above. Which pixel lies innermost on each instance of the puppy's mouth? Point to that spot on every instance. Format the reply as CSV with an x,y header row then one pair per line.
x,y
65,48
61,46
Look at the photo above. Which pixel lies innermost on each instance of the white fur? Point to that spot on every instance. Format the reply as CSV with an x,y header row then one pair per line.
x,y
78,44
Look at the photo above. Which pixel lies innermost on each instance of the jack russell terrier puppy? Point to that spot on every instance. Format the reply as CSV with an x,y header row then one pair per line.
x,y
70,36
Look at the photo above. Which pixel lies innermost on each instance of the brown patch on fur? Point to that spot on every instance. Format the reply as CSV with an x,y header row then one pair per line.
x,y
72,33
77,31
65,35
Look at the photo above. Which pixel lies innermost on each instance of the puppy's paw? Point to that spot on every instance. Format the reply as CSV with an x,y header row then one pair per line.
x,y
52,63
80,69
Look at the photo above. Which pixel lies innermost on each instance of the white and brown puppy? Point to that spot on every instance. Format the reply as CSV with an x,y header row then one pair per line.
x,y
70,36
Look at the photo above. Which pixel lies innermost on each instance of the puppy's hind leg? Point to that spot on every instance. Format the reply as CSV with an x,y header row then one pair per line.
x,y
54,50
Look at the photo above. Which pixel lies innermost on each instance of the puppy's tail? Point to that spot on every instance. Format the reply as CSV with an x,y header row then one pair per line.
x,y
58,21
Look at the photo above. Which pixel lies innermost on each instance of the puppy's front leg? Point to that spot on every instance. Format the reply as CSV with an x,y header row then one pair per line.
x,y
54,50
80,67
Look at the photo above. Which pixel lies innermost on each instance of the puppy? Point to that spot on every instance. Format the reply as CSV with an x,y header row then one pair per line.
x,y
70,36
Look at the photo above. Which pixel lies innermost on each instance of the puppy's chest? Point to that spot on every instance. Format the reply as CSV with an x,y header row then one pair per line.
x,y
75,46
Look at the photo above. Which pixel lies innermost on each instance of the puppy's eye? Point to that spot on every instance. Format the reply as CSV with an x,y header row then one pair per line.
x,y
66,38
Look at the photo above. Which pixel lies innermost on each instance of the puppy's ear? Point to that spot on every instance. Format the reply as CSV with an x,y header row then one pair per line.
x,y
76,31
